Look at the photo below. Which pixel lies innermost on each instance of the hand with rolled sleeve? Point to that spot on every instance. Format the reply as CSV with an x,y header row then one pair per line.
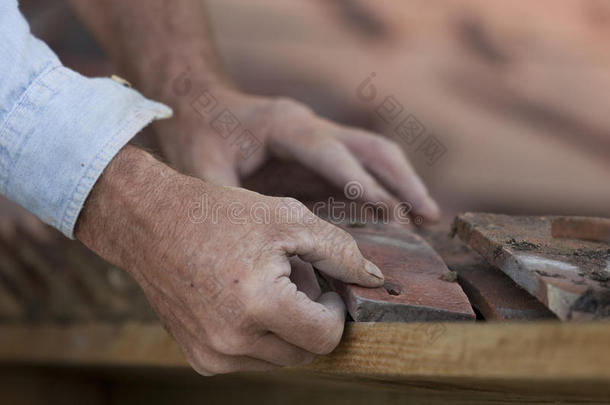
x,y
235,293
58,129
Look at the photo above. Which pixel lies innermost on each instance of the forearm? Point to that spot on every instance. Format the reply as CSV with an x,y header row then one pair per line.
x,y
115,221
154,41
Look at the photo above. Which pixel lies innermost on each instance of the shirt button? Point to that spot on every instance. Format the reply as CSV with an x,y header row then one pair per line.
x,y
120,81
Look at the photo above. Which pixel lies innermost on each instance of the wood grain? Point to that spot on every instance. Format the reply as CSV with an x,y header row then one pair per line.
x,y
533,362
399,352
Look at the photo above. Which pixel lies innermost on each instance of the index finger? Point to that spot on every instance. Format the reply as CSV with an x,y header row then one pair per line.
x,y
334,252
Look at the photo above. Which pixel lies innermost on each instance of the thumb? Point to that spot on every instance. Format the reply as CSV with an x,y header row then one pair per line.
x,y
334,252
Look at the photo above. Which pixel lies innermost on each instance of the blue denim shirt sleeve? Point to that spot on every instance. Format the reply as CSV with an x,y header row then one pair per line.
x,y
58,129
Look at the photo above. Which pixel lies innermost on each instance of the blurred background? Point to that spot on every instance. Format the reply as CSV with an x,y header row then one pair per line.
x,y
514,95
516,92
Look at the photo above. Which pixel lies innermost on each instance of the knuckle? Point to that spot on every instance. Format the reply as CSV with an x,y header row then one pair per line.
x,y
386,146
283,106
291,212
293,203
345,242
348,239
342,247
283,115
290,200
326,148
334,240
286,290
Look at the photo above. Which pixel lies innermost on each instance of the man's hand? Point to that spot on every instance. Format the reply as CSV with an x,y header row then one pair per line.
x,y
198,142
154,42
228,271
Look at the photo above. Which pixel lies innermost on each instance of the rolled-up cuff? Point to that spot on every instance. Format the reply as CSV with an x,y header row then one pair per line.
x,y
61,135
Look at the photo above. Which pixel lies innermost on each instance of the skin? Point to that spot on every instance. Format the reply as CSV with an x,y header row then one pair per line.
x,y
251,305
236,293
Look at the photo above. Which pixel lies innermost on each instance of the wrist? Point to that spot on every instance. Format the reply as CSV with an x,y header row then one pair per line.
x,y
115,220
196,104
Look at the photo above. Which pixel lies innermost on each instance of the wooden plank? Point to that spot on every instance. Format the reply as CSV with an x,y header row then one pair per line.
x,y
401,354
414,288
568,276
489,290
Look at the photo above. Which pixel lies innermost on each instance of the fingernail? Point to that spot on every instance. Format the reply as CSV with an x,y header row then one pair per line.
x,y
373,270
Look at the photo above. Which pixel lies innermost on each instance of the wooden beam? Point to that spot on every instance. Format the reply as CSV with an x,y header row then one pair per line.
x,y
400,352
